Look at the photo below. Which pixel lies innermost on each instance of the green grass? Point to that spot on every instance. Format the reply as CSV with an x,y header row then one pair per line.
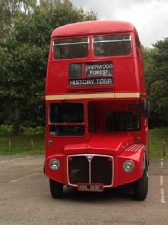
x,y
30,144
156,138
22,144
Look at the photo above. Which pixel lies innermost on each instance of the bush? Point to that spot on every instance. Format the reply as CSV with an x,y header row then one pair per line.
x,y
31,130
7,129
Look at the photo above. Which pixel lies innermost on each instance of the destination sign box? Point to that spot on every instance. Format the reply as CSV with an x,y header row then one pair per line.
x,y
99,69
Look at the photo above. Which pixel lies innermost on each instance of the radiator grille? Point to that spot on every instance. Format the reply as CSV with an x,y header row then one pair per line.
x,y
98,169
78,169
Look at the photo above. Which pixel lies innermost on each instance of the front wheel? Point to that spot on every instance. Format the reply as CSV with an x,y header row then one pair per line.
x,y
140,187
56,188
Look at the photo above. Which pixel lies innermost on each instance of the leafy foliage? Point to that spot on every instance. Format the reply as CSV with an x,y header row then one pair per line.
x,y
156,71
24,47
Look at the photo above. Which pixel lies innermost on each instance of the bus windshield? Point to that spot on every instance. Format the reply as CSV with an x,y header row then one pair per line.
x,y
66,119
116,45
71,48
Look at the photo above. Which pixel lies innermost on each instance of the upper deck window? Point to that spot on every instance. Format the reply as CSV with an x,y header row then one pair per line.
x,y
71,48
116,45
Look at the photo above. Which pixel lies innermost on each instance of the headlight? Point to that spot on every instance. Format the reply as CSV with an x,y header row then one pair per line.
x,y
128,166
54,164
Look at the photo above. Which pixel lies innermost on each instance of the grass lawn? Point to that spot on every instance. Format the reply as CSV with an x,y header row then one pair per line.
x,y
156,138
34,144
22,144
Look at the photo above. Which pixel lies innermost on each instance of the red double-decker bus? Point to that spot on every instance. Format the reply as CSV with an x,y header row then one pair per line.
x,y
96,109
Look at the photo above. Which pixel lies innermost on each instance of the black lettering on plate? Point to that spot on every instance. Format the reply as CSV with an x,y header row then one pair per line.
x,y
99,69
89,82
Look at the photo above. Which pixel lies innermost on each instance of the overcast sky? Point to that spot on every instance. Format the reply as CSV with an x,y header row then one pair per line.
x,y
150,17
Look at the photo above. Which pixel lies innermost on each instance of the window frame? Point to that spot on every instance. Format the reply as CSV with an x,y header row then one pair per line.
x,y
62,43
112,41
66,125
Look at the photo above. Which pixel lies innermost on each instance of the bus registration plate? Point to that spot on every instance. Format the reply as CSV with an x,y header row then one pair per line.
x,y
90,187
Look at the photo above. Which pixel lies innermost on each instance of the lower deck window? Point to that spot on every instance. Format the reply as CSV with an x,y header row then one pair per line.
x,y
123,121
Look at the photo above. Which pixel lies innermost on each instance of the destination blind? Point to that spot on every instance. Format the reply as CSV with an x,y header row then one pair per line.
x,y
94,81
99,69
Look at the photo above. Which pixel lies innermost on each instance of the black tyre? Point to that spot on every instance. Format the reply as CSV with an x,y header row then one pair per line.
x,y
140,187
56,188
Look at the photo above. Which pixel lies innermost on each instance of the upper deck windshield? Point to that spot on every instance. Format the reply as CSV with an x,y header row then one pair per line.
x,y
116,45
71,48
113,45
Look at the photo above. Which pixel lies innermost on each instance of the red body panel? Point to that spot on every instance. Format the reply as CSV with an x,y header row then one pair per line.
x,y
123,75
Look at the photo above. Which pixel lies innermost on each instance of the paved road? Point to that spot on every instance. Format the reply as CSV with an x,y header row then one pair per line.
x,y
25,198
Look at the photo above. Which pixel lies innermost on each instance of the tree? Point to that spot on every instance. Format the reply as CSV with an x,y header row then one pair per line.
x,y
156,72
10,9
23,55
159,98
159,88
149,66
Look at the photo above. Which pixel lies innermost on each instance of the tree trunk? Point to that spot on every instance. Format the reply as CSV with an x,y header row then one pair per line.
x,y
16,119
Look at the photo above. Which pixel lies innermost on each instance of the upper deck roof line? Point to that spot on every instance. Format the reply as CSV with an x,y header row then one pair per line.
x,y
93,28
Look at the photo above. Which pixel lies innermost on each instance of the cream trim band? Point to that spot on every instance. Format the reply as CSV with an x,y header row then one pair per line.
x,y
94,96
